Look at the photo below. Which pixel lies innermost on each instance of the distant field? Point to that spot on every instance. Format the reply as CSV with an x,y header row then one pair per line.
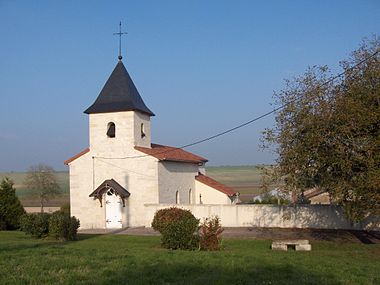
x,y
24,193
245,179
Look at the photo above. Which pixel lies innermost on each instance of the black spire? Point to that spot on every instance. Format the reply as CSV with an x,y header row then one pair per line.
x,y
119,94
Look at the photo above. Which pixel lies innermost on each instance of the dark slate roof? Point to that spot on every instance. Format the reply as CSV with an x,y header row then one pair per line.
x,y
110,184
119,94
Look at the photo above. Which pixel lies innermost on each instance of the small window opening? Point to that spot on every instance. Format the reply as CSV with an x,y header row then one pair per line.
x,y
110,192
190,196
111,130
291,246
177,197
142,130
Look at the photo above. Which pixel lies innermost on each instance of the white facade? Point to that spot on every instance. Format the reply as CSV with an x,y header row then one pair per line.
x,y
205,194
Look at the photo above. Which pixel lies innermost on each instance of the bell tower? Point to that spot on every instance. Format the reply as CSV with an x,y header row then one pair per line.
x,y
119,120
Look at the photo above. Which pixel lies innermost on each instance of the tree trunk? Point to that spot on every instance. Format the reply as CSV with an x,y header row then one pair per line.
x,y
42,205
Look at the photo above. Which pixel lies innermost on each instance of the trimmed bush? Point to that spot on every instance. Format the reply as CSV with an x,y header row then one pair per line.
x,y
36,224
178,228
62,226
210,234
3,225
10,207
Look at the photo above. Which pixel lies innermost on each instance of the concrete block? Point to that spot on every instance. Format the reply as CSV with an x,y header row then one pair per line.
x,y
278,246
303,247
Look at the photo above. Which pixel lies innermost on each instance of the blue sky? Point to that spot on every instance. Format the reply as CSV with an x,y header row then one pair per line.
x,y
200,66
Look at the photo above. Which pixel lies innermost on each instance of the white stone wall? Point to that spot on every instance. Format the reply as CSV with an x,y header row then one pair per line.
x,y
173,177
38,209
86,209
305,216
209,195
144,141
137,175
128,133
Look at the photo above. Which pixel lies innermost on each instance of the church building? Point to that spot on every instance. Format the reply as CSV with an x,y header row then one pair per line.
x,y
122,170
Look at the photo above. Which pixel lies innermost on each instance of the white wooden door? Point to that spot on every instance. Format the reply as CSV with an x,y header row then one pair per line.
x,y
114,207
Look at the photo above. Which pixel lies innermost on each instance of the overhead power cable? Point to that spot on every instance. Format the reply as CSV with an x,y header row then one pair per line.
x,y
252,120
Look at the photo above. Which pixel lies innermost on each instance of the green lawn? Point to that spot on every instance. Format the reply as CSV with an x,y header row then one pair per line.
x,y
119,259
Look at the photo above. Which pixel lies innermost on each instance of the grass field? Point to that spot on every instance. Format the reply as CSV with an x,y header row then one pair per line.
x,y
120,259
245,179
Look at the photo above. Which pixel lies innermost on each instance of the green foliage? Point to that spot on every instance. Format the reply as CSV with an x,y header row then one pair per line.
x,y
327,135
10,207
35,224
58,225
210,232
178,228
42,182
62,226
3,224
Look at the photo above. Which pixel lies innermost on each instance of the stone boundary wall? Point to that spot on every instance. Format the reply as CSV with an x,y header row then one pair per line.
x,y
38,209
272,216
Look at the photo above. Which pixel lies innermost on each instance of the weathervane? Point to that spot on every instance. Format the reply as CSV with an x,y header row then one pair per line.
x,y
120,33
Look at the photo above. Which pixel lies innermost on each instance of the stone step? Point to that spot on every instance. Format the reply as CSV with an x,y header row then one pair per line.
x,y
299,245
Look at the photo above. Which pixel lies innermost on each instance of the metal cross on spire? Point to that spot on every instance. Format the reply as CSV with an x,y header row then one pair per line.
x,y
120,33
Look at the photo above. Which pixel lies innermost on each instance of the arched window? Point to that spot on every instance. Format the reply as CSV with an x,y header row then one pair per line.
x,y
177,197
111,130
142,130
190,196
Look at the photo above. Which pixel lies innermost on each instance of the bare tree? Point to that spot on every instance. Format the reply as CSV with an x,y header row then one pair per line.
x,y
42,182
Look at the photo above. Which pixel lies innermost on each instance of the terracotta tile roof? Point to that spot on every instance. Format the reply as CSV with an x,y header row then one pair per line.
x,y
215,184
169,153
310,193
66,162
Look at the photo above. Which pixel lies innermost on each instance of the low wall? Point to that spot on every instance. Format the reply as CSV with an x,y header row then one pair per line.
x,y
271,216
38,209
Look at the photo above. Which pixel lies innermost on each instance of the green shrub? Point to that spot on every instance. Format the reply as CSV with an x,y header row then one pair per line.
x,y
178,228
62,226
10,207
3,225
36,224
210,234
